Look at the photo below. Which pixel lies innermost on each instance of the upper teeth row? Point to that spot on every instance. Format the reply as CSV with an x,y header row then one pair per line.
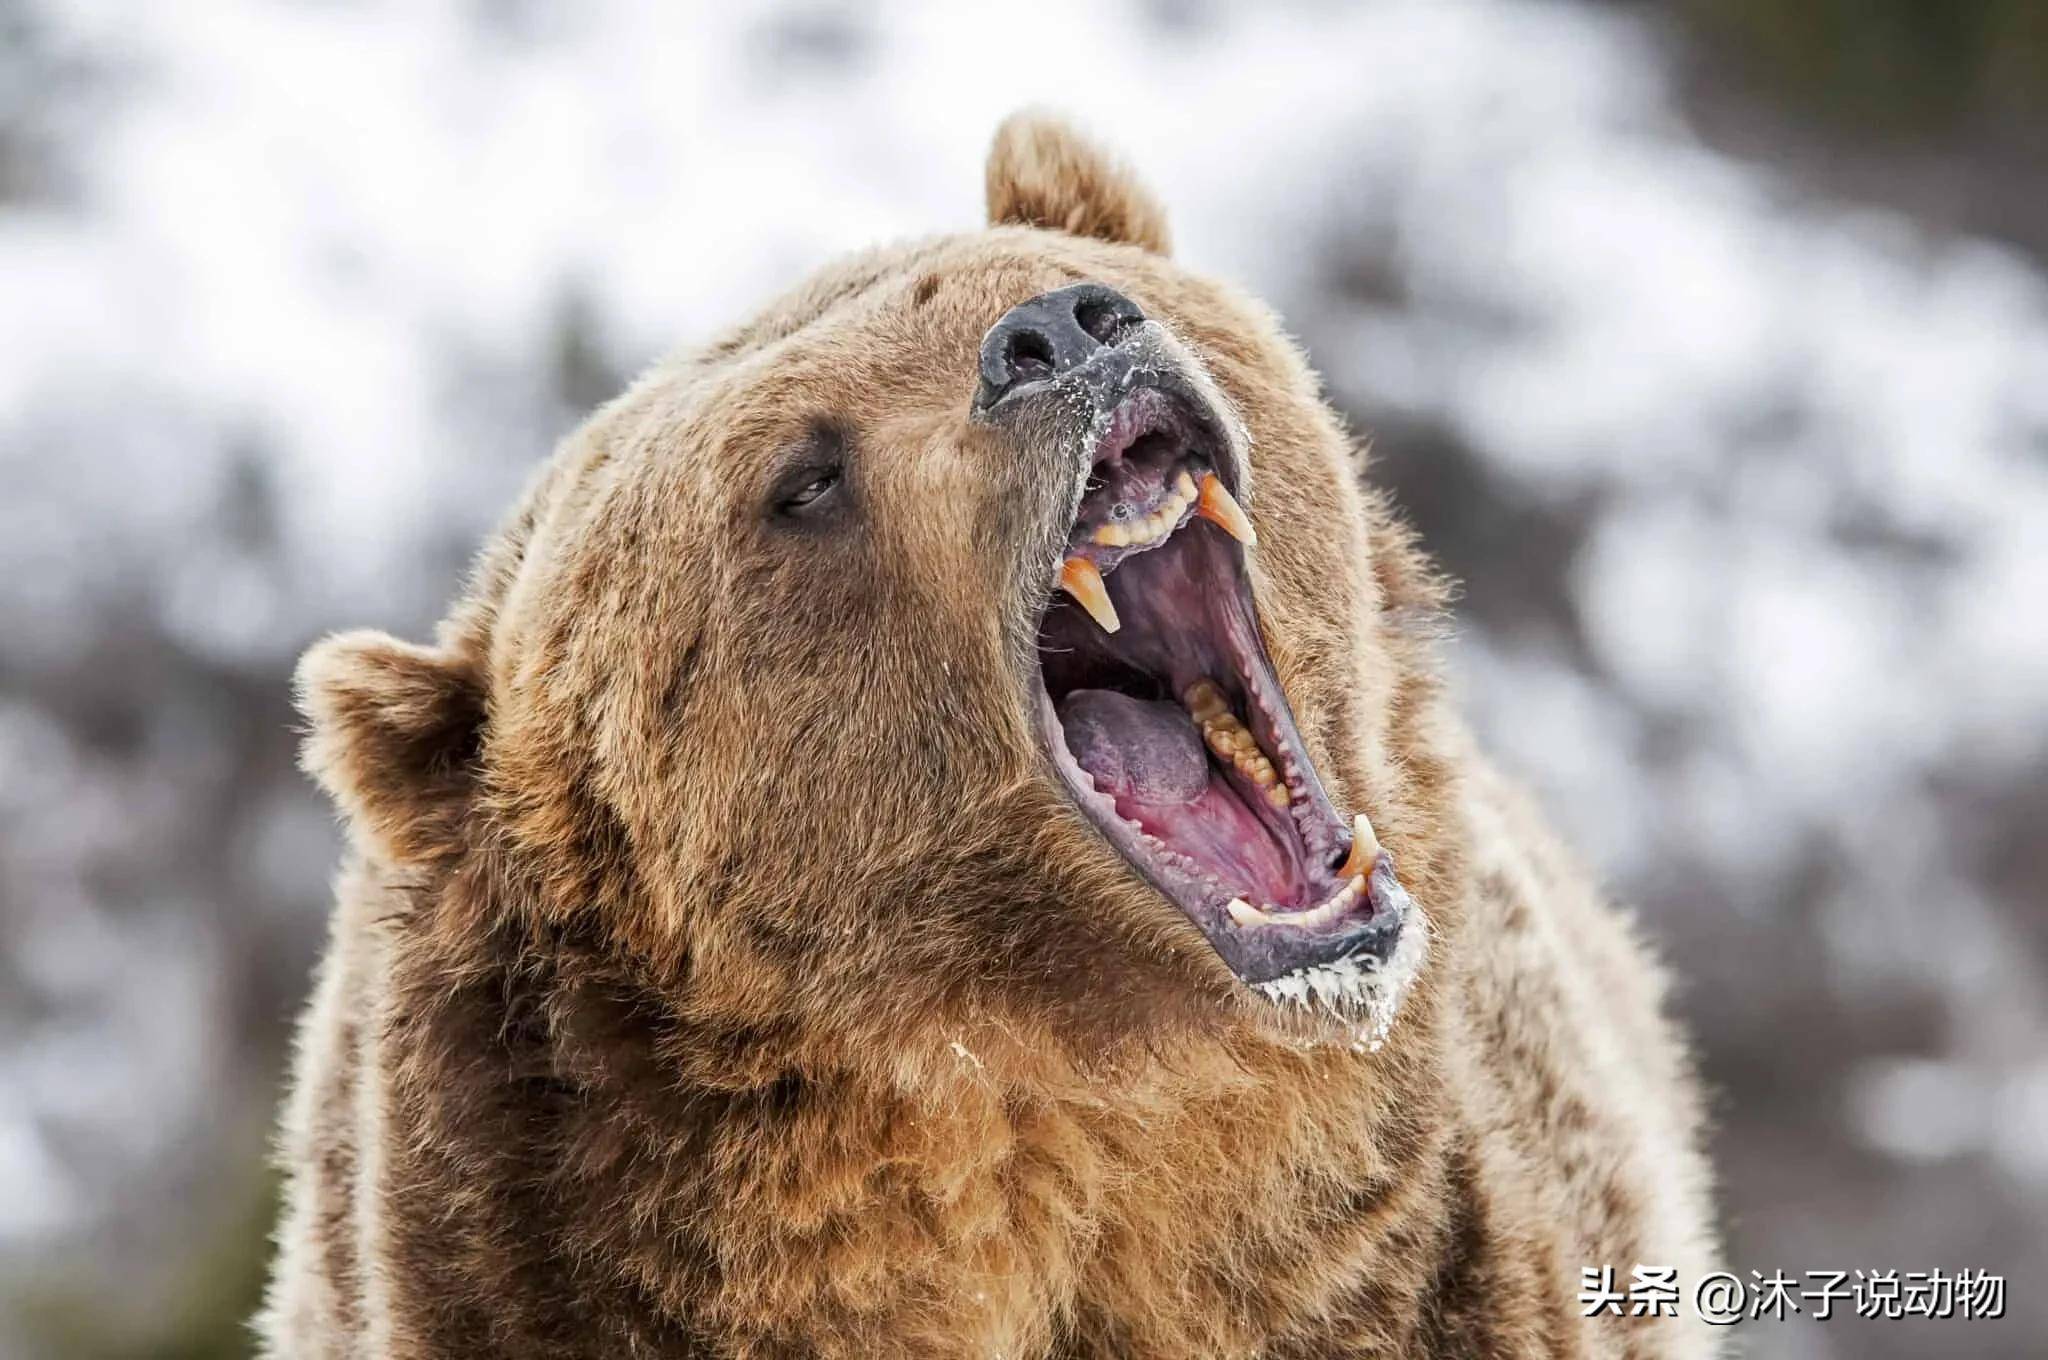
x,y
1082,579
1156,525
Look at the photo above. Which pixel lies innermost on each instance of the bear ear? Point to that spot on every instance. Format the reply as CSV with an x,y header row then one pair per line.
x,y
1041,173
394,732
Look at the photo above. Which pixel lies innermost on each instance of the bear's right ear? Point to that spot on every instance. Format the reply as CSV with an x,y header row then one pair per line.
x,y
393,738
1042,173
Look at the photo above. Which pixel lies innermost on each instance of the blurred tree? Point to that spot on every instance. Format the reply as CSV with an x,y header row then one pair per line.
x,y
1889,68
207,1318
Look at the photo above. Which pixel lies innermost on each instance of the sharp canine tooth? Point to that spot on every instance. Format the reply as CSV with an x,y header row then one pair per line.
x,y
1365,848
1220,509
1245,914
1081,579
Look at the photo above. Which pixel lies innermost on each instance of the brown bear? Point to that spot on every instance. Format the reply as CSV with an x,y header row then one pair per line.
x,y
933,831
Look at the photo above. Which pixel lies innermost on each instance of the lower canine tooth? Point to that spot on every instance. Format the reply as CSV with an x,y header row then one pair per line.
x,y
1365,848
1081,579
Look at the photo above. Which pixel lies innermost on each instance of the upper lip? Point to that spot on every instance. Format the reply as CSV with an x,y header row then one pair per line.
x,y
1321,945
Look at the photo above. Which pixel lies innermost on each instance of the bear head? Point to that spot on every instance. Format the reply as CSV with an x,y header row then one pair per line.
x,y
992,638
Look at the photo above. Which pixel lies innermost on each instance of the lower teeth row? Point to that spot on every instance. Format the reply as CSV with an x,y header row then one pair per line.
x,y
1232,741
1245,914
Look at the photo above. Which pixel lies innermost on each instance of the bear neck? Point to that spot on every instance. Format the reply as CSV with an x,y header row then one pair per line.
x,y
565,1124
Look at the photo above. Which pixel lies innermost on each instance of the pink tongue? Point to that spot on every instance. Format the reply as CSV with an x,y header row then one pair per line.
x,y
1137,751
1148,757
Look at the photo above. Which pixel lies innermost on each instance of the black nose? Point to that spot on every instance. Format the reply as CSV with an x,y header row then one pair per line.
x,y
1051,334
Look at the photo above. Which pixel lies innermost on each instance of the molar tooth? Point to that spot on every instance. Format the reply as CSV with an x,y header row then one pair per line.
x,y
1365,848
1222,510
1185,486
1082,579
1112,536
1277,796
1205,701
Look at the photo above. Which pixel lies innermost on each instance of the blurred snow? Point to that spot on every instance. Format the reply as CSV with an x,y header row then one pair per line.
x,y
1748,490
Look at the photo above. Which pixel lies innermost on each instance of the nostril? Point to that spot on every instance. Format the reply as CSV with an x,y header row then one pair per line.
x,y
1104,321
1029,355
1053,335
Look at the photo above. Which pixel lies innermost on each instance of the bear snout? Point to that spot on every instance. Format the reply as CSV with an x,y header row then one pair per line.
x,y
1067,331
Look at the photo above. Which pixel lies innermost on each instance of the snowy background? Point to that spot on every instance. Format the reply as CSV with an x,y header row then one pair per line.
x,y
1726,399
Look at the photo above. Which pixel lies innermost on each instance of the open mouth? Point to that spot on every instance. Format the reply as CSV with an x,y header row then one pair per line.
x,y
1162,715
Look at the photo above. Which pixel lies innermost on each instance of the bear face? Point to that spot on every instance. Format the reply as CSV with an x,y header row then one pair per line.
x,y
991,636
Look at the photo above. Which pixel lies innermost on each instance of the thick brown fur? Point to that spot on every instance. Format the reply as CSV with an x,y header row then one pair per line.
x,y
720,971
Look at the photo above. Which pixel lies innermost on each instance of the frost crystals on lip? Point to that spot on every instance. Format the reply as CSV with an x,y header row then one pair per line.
x,y
1360,981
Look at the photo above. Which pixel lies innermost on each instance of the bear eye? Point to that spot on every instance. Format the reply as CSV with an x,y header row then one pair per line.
x,y
812,484
812,490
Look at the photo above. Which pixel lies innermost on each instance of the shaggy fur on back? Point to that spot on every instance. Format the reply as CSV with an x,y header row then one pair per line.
x,y
719,970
